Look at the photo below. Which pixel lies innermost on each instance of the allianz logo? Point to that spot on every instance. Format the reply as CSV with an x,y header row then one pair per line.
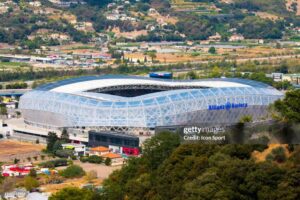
x,y
227,106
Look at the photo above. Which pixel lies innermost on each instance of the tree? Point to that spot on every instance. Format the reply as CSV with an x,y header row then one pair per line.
x,y
212,50
65,136
3,110
57,146
289,107
152,55
159,147
260,76
192,75
73,171
51,139
16,161
277,154
33,173
30,183
246,118
197,171
216,72
107,161
255,27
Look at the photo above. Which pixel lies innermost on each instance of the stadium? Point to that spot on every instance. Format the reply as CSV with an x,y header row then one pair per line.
x,y
135,104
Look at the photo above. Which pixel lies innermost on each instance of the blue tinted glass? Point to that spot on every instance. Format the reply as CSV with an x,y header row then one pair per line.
x,y
175,97
134,103
148,102
120,104
162,99
185,95
105,104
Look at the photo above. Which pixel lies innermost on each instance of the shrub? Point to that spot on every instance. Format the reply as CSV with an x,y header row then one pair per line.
x,y
73,171
83,159
16,161
95,159
54,163
212,50
64,153
32,173
30,183
277,154
107,161
73,157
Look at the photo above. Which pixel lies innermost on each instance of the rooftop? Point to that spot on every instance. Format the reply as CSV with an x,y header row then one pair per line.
x,y
86,83
111,155
100,149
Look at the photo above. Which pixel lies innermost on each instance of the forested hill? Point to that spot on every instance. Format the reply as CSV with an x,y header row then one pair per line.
x,y
168,170
30,25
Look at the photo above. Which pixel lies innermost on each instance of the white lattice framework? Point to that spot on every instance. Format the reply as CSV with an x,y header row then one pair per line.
x,y
53,106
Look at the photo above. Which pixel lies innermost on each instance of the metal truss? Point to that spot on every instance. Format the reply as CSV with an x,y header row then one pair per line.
x,y
167,108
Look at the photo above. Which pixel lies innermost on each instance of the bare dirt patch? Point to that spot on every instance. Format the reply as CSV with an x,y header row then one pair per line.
x,y
265,15
78,182
289,6
102,173
130,35
10,149
261,156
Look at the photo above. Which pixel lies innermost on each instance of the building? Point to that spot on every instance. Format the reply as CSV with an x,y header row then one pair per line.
x,y
16,170
217,37
276,76
78,149
98,151
117,142
236,38
292,78
116,159
137,105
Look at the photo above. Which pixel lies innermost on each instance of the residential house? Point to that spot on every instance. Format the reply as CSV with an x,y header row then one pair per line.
x,y
116,159
99,151
216,38
236,38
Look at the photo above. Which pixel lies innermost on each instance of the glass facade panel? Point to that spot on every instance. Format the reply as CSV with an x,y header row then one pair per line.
x,y
161,108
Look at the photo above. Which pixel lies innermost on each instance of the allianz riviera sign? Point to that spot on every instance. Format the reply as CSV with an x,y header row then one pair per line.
x,y
227,106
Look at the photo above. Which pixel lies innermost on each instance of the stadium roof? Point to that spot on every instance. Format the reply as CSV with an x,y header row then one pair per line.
x,y
87,83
